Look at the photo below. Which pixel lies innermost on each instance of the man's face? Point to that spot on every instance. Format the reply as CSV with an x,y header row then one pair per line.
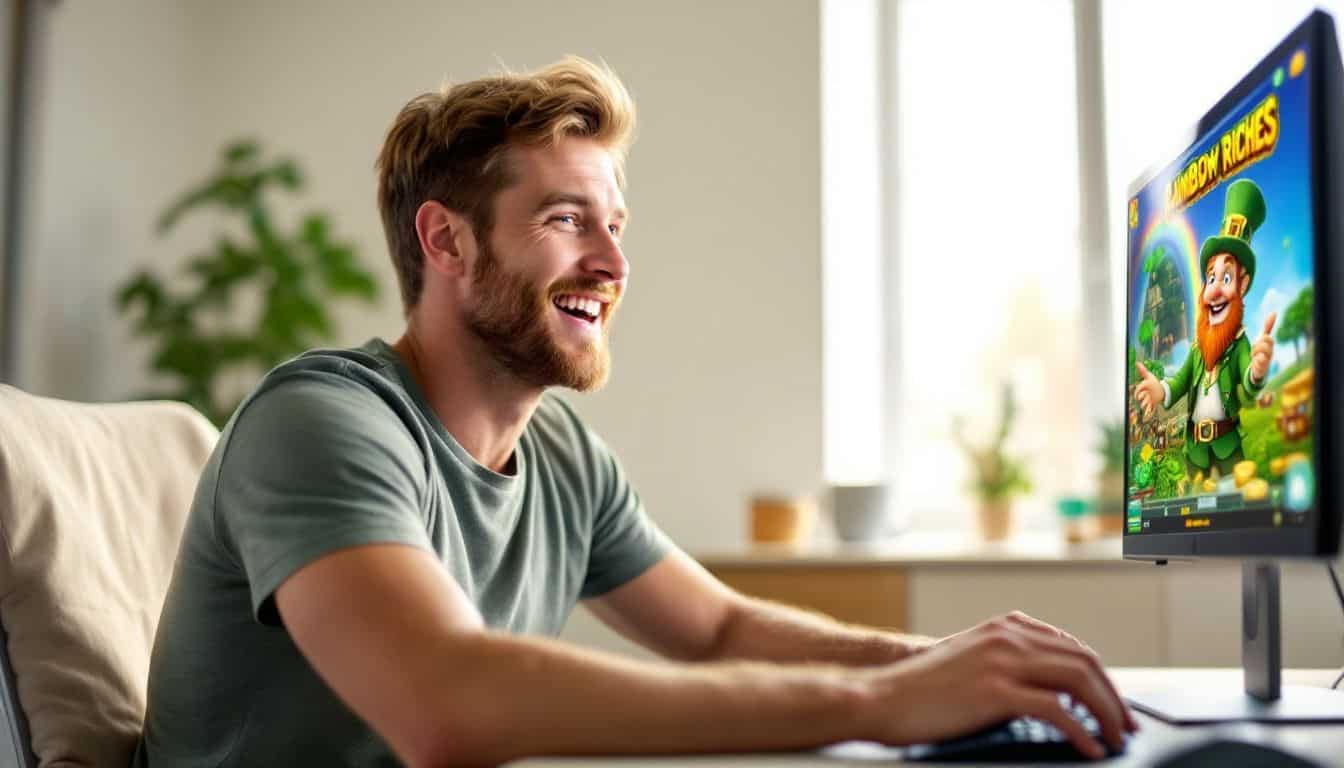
x,y
549,276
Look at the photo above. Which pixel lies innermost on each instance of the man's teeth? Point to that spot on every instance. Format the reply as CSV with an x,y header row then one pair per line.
x,y
590,307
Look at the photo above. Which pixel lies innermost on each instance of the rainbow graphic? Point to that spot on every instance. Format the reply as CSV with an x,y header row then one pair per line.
x,y
1177,237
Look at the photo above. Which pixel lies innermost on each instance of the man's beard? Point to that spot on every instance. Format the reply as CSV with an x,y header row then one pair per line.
x,y
510,318
1214,339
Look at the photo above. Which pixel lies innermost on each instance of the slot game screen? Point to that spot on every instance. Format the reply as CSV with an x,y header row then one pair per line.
x,y
1220,337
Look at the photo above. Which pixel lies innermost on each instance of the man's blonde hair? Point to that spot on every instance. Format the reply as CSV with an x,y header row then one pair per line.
x,y
450,146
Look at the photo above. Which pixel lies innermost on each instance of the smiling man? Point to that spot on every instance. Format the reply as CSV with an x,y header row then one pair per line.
x,y
387,539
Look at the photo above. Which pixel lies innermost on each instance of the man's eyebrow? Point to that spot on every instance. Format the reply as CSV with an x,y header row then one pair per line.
x,y
582,201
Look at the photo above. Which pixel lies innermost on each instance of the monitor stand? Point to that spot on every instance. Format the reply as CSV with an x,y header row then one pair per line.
x,y
1264,699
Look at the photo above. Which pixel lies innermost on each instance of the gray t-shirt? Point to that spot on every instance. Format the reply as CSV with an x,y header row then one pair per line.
x,y
335,449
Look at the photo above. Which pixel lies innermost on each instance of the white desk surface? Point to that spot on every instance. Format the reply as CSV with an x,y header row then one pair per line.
x,y
1324,744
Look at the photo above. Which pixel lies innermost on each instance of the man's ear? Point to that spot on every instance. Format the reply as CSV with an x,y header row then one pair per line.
x,y
445,237
1245,281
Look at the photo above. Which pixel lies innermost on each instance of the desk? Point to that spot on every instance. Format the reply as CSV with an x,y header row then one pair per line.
x,y
1325,744
1183,615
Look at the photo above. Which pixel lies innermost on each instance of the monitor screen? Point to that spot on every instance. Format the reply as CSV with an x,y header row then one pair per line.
x,y
1220,338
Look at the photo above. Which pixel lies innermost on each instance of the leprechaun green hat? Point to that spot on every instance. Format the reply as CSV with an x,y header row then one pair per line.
x,y
1243,213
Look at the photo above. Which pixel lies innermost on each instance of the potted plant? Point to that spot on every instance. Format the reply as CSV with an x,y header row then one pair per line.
x,y
1111,480
198,323
997,476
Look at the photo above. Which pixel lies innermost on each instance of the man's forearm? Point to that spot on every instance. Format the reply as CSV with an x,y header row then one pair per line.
x,y
521,696
767,631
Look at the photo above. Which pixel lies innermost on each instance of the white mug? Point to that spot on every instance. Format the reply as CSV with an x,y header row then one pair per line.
x,y
859,511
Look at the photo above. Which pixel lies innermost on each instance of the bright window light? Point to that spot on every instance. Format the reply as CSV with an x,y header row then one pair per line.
x,y
988,250
851,312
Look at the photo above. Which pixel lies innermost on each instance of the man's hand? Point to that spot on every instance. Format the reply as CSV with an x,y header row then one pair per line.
x,y
1262,351
1150,391
1004,668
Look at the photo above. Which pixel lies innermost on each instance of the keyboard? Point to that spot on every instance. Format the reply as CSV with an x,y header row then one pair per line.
x,y
1021,739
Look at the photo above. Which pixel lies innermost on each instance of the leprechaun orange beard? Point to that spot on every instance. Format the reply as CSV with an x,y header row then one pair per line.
x,y
1213,339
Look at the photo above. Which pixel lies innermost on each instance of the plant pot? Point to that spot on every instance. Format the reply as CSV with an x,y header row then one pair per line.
x,y
996,519
1111,503
776,520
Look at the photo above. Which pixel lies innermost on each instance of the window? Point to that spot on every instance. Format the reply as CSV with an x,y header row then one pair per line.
x,y
952,257
987,252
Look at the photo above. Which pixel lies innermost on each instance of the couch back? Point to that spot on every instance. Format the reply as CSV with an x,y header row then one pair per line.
x,y
93,498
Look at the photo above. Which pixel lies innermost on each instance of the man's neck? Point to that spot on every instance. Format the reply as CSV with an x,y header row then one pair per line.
x,y
483,407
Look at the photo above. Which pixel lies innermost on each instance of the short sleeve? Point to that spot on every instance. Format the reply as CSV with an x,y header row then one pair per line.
x,y
315,462
625,542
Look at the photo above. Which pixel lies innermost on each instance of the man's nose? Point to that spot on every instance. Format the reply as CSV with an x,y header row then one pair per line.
x,y
606,257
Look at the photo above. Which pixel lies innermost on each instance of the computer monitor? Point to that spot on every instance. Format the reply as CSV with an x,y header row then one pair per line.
x,y
1234,429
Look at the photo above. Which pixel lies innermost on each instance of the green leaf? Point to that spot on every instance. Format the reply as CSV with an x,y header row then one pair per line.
x,y
287,174
314,229
353,283
246,149
294,273
183,355
1155,257
144,288
1146,331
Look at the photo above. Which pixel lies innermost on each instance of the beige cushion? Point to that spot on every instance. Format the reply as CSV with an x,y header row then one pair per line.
x,y
92,503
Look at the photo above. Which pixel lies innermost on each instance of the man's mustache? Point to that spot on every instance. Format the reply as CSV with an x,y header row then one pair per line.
x,y
607,292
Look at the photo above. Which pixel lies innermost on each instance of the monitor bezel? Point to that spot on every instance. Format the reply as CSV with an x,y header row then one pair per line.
x,y
1322,538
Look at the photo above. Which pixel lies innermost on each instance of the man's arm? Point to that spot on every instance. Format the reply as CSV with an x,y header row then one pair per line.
x,y
396,639
681,611
394,636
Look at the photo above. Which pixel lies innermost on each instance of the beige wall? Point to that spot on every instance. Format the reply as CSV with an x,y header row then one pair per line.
x,y
716,389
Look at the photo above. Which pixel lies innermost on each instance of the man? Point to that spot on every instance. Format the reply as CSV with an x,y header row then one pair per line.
x,y
1223,369
386,538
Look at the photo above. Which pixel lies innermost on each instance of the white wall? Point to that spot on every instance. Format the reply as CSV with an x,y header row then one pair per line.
x,y
716,390
112,146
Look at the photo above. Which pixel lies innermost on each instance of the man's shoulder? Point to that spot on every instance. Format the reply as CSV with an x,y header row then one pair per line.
x,y
361,364
359,373
323,393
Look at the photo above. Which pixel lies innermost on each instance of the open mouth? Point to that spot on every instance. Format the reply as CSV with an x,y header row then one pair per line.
x,y
1216,310
579,307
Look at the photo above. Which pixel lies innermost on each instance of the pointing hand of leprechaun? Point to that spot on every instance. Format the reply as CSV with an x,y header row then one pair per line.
x,y
1149,391
1262,350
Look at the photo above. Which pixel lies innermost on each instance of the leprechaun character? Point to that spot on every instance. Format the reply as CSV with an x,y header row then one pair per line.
x,y
1223,369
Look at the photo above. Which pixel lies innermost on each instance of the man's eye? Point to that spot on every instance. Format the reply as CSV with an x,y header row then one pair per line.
x,y
1210,281
613,229
1227,278
566,218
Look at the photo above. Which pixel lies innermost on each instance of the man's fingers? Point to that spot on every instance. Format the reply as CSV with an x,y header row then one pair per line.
x,y
1040,627
1269,322
1086,684
1143,371
1044,705
1063,642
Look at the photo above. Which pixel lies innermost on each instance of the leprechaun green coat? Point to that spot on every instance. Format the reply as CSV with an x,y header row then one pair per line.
x,y
1234,384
